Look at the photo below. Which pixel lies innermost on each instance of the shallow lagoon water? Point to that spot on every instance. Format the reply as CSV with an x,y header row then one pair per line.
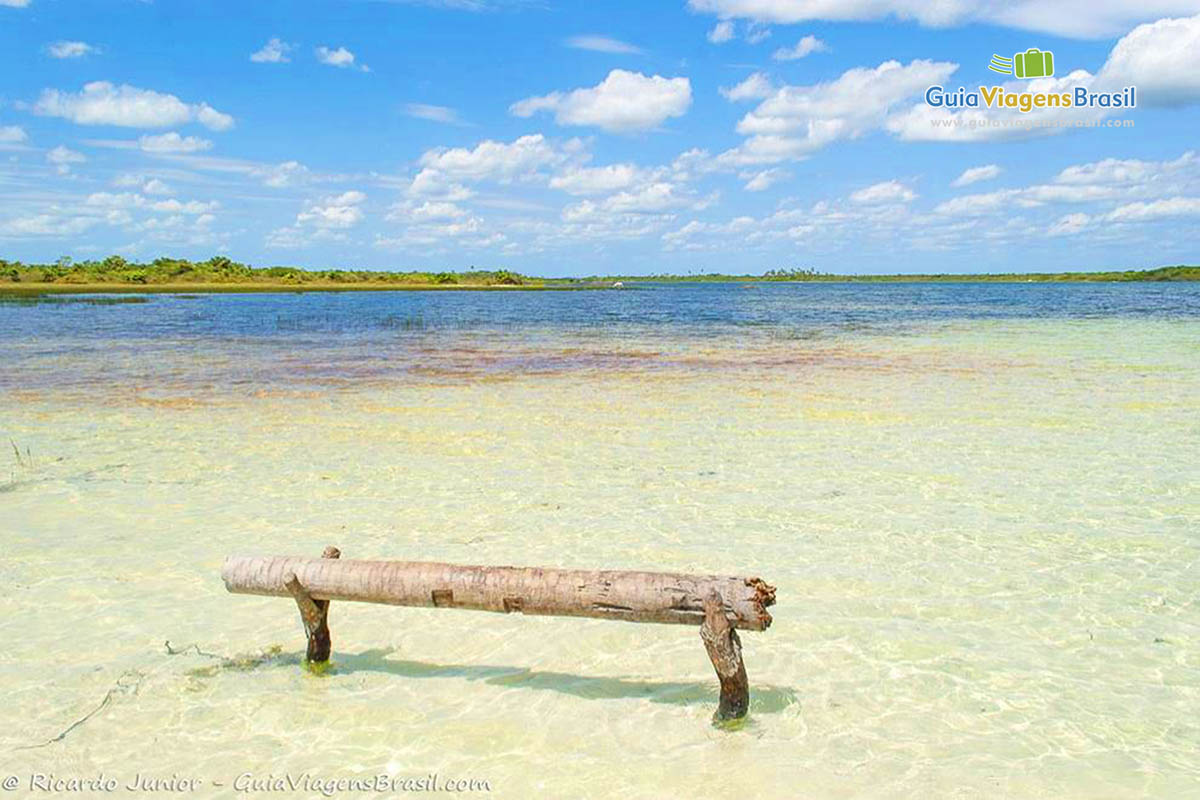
x,y
980,505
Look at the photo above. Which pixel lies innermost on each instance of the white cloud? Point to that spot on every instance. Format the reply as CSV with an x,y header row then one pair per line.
x,y
66,49
12,134
602,44
129,200
651,197
46,224
192,207
1096,182
155,186
492,160
14,3
275,51
977,204
1113,171
428,211
212,119
881,193
755,87
443,114
1077,18
431,183
173,143
335,212
757,32
1069,224
794,121
976,174
805,47
341,58
1157,209
595,180
765,179
1162,59
102,103
287,173
722,32
142,183
115,200
63,158
622,102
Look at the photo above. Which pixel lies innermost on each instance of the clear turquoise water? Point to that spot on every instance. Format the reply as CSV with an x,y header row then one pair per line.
x,y
980,505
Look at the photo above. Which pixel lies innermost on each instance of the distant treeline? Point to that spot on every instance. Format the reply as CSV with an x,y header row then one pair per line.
x,y
1176,273
221,270
221,273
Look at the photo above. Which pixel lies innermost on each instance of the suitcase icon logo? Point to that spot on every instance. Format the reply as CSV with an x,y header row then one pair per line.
x,y
1033,63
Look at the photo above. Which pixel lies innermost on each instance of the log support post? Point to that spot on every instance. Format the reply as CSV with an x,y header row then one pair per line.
x,y
725,651
314,614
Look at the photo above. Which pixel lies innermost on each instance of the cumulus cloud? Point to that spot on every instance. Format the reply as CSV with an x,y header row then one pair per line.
x,y
1162,59
492,160
764,179
155,186
63,158
1076,18
1157,209
881,193
275,51
1118,172
976,174
340,57
805,47
334,212
68,49
623,102
603,44
287,173
102,103
755,87
130,200
173,143
14,3
1095,182
12,134
722,32
191,207
595,180
794,121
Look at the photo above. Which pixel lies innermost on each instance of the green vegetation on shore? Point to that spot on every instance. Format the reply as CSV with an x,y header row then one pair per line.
x,y
221,274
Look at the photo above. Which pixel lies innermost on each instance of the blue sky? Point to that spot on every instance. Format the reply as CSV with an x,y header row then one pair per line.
x,y
568,138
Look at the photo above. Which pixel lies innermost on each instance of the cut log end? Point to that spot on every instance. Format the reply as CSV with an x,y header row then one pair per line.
x,y
725,651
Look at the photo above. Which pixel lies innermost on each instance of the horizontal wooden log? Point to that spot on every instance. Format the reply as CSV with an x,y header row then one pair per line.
x,y
607,594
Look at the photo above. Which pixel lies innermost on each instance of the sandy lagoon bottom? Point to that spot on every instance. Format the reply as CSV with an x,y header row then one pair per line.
x,y
984,538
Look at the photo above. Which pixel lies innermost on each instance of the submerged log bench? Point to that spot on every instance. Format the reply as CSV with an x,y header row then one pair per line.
x,y
718,605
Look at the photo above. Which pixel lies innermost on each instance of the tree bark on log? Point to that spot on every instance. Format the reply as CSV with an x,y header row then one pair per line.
x,y
314,614
725,651
607,594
